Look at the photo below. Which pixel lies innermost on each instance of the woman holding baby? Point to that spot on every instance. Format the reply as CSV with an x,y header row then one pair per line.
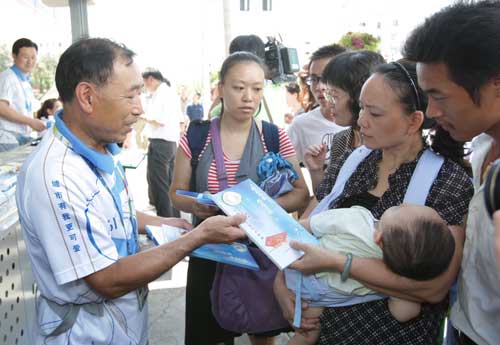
x,y
390,125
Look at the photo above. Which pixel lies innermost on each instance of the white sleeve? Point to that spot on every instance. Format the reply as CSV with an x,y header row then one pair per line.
x,y
295,137
354,222
174,107
170,112
326,223
67,214
6,88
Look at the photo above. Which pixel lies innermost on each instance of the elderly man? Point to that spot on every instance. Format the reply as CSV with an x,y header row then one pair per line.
x,y
76,213
16,97
458,55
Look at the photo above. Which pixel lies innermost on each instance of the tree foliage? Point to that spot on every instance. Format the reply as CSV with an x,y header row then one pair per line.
x,y
5,59
44,74
360,41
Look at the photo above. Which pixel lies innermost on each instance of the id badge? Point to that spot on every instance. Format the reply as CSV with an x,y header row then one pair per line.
x,y
142,296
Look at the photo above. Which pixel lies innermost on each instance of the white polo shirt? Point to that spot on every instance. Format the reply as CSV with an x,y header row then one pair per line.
x,y
163,107
312,129
72,229
477,309
19,95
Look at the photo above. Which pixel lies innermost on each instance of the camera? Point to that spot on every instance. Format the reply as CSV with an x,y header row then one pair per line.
x,y
492,188
282,62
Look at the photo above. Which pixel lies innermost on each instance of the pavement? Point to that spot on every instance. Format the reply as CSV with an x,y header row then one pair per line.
x,y
167,293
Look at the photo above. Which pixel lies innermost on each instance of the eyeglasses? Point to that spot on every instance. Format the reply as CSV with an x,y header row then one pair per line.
x,y
312,79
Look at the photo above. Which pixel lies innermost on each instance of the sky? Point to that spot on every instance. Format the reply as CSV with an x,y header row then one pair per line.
x,y
185,39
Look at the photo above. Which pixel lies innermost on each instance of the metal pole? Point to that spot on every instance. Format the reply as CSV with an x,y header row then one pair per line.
x,y
267,5
79,19
227,24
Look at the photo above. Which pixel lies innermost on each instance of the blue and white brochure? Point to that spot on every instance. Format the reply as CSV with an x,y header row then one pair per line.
x,y
202,198
236,254
268,225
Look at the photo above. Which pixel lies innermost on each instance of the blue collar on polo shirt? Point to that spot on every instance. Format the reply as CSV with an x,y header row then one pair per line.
x,y
100,160
20,74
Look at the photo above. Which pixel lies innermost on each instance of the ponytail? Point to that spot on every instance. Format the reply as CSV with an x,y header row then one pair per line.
x,y
43,111
40,114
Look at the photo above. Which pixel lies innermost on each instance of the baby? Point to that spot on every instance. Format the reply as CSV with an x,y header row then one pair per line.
x,y
412,240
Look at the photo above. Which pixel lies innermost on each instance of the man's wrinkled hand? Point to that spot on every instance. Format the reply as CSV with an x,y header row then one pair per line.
x,y
37,125
222,229
177,222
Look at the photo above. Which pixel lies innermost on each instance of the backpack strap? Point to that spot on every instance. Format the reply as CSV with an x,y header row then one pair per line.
x,y
197,134
271,136
423,177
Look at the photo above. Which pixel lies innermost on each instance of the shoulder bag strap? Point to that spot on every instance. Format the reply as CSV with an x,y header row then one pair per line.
x,y
218,154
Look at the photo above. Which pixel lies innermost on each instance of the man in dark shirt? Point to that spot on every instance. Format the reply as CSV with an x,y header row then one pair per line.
x,y
195,110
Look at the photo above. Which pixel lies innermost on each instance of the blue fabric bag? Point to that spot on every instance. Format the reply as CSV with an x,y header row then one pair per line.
x,y
276,175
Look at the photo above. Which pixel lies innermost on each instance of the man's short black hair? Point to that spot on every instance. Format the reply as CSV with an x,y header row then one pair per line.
x,y
466,38
328,51
156,74
91,60
248,43
23,43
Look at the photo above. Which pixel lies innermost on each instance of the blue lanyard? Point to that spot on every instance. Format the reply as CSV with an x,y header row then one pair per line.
x,y
117,202
23,80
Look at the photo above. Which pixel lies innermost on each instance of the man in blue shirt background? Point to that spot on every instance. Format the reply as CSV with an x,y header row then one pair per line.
x,y
195,110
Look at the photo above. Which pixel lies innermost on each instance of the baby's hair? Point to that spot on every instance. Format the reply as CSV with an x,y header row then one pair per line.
x,y
420,249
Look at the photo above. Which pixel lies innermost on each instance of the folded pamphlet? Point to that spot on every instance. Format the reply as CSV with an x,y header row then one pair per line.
x,y
268,225
202,198
236,254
